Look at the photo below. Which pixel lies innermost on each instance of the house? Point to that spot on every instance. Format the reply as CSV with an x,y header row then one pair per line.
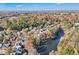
x,y
76,24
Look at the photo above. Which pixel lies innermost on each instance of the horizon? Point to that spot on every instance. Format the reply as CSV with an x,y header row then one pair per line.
x,y
38,6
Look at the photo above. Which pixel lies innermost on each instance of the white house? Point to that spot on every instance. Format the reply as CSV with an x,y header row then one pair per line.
x,y
76,24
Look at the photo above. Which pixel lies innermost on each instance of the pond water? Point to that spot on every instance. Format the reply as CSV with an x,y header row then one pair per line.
x,y
51,44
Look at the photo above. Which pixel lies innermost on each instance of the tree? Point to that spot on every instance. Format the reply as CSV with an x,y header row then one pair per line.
x,y
1,38
5,41
68,50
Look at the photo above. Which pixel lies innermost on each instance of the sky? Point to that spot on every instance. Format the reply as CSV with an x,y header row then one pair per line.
x,y
38,6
